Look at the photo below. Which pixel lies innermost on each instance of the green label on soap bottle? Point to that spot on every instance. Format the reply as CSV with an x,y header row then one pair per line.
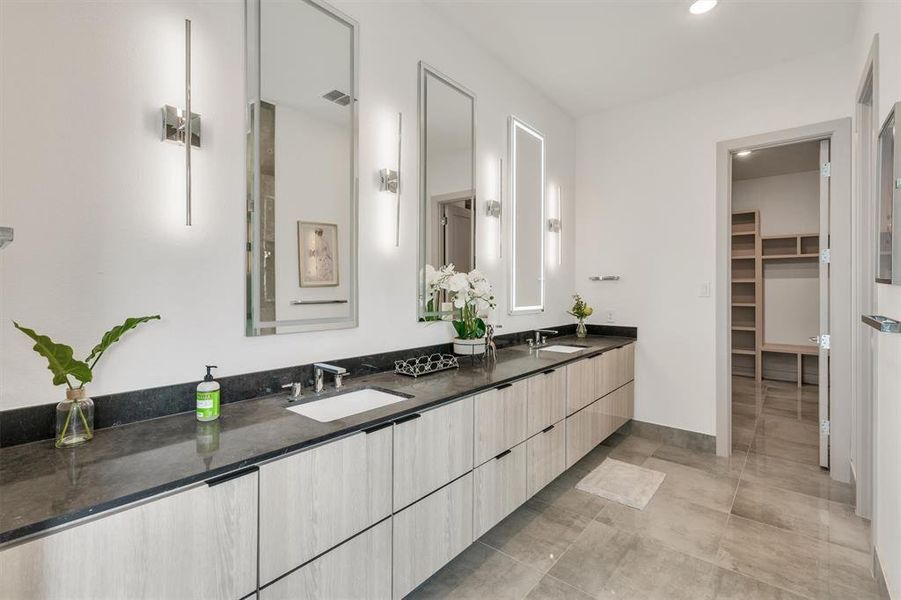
x,y
207,405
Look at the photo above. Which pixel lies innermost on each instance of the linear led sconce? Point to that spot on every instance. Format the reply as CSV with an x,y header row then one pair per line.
x,y
176,128
555,226
494,209
389,180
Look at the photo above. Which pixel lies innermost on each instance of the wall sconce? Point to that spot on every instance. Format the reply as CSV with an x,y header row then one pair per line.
x,y
389,179
6,236
555,226
494,209
177,128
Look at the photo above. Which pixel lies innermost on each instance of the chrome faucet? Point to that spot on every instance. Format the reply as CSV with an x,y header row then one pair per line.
x,y
320,368
296,391
541,340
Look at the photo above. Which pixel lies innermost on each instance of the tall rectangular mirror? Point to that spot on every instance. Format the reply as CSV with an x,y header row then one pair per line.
x,y
888,257
527,218
447,218
301,59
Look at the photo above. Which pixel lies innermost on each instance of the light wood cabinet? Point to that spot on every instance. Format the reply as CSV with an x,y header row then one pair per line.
x,y
360,568
581,384
579,435
546,400
431,449
500,419
198,543
315,499
499,488
428,534
546,457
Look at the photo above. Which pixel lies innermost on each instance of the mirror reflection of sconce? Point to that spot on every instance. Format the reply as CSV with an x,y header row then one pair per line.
x,y
6,236
389,180
176,128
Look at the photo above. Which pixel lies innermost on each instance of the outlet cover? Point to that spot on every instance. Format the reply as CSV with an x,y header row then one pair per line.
x,y
610,316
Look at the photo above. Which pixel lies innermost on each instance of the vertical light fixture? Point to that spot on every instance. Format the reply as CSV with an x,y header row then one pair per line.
x,y
183,126
389,180
494,209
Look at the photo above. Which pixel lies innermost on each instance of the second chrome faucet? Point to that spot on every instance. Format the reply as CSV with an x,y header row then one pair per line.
x,y
318,372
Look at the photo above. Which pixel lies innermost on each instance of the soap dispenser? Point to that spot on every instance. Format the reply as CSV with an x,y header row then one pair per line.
x,y
208,397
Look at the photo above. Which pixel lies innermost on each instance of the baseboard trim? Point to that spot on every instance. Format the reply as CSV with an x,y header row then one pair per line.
x,y
879,575
673,436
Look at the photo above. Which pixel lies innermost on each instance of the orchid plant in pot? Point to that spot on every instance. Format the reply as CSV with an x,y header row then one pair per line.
x,y
75,415
472,297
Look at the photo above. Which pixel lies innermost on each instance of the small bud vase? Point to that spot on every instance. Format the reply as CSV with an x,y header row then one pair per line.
x,y
74,419
581,329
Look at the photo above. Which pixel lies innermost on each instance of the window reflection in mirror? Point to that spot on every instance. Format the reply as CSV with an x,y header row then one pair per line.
x,y
302,167
528,218
447,171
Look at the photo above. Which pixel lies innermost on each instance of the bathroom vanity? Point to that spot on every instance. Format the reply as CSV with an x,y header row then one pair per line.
x,y
368,506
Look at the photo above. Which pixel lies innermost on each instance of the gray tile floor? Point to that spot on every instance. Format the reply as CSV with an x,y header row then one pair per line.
x,y
765,523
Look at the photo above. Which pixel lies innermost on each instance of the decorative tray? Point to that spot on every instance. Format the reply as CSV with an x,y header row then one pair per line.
x,y
424,365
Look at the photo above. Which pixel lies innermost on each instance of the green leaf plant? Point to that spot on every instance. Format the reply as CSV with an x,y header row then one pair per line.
x,y
63,364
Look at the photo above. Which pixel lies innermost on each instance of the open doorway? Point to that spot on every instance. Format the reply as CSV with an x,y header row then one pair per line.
x,y
780,301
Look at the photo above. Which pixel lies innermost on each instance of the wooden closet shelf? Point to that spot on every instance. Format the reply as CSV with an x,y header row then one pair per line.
x,y
808,349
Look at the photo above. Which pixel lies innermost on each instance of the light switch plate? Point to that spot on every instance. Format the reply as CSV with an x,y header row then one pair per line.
x,y
704,291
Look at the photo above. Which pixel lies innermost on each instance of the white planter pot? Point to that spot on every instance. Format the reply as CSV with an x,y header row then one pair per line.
x,y
469,347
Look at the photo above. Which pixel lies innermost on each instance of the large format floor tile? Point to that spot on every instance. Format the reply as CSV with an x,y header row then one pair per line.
x,y
694,485
794,476
710,463
536,534
562,493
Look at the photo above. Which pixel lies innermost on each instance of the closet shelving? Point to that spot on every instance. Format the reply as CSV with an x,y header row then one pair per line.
x,y
747,296
800,246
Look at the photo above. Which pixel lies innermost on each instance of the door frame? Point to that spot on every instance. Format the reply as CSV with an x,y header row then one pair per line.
x,y
839,133
863,375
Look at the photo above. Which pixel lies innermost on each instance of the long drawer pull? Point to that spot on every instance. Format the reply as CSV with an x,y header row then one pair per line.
x,y
503,454
378,427
548,372
504,386
546,429
233,475
407,418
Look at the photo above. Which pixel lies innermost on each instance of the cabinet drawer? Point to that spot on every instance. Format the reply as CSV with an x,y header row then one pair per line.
x,y
357,569
607,372
500,420
428,534
627,364
546,400
546,457
579,438
200,543
431,450
499,488
316,499
581,383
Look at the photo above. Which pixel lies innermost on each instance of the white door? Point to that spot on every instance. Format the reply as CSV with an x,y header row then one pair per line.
x,y
823,338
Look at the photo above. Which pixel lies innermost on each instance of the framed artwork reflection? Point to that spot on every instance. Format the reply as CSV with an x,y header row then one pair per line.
x,y
317,245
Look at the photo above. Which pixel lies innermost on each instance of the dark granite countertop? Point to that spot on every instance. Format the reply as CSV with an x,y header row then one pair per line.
x,y
42,487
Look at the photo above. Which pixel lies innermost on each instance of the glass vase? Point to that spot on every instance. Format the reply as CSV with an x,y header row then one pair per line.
x,y
581,329
74,419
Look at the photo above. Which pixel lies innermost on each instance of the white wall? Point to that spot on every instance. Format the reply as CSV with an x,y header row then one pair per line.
x,y
646,191
884,19
788,204
97,200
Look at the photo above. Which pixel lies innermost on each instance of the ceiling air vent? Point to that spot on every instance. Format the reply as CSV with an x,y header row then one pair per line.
x,y
338,97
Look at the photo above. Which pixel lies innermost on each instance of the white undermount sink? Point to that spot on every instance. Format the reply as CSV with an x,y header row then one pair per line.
x,y
562,348
345,405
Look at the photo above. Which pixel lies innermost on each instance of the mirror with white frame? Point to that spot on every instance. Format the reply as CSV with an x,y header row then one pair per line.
x,y
301,59
447,223
527,218
888,257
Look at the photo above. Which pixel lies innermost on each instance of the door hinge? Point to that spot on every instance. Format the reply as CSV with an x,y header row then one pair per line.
x,y
826,427
825,341
826,169
826,256
443,221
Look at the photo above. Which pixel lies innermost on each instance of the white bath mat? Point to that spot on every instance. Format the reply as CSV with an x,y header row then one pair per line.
x,y
622,482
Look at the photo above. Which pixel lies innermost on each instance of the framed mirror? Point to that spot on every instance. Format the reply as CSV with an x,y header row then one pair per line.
x,y
301,60
888,251
527,218
447,209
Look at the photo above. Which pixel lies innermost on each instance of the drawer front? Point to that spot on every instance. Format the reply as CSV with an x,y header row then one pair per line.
x,y
579,437
581,384
547,400
316,499
500,420
431,450
199,543
367,557
428,534
499,488
546,457
627,364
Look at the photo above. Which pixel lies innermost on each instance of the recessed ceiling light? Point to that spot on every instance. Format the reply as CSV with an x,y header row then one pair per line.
x,y
699,7
743,153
